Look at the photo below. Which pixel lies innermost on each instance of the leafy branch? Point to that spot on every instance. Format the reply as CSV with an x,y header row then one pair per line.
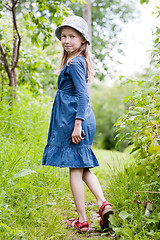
x,y
39,21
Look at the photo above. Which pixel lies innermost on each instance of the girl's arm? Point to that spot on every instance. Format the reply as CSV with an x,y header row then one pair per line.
x,y
78,75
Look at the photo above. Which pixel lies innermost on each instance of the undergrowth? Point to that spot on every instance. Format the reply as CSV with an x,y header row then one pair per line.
x,y
36,200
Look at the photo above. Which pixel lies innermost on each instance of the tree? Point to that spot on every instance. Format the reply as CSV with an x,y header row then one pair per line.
x,y
11,68
143,121
39,16
108,17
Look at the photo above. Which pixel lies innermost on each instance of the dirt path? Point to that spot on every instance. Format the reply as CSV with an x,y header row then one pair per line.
x,y
95,231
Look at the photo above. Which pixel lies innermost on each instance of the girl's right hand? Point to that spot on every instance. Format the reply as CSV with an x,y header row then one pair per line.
x,y
76,134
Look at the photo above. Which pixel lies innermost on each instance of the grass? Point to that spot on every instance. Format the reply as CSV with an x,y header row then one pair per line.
x,y
36,200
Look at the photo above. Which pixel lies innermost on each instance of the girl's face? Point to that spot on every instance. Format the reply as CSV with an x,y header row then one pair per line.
x,y
71,40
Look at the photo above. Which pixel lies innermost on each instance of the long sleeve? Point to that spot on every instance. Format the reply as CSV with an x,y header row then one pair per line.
x,y
78,75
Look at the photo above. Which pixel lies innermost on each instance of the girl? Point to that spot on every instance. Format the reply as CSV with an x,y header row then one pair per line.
x,y
66,146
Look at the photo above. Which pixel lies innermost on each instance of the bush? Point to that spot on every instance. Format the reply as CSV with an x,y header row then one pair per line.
x,y
143,120
108,107
129,195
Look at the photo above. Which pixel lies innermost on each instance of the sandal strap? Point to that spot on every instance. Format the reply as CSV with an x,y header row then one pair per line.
x,y
103,206
73,222
82,225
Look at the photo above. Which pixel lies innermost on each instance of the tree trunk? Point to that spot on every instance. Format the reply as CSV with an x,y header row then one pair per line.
x,y
88,18
11,67
14,54
6,66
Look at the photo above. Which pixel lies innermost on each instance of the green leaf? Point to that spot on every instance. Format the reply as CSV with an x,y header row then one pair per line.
x,y
13,230
118,230
23,173
140,170
124,215
133,112
144,1
157,40
26,17
113,220
152,90
1,5
153,149
157,96
127,99
122,77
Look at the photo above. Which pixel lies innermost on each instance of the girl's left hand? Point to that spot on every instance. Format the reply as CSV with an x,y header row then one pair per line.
x,y
76,134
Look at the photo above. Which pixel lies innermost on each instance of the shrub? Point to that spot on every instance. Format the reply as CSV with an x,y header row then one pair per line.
x,y
108,107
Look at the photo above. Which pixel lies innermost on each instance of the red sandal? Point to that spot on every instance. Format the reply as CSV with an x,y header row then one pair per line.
x,y
104,214
82,227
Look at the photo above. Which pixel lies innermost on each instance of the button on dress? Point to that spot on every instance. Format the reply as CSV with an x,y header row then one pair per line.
x,y
71,102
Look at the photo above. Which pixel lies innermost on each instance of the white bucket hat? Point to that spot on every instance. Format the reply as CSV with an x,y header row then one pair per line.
x,y
75,22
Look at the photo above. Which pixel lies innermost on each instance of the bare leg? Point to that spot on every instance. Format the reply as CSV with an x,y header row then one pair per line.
x,y
77,188
93,184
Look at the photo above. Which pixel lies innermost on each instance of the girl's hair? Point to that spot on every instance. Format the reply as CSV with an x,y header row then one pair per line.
x,y
83,51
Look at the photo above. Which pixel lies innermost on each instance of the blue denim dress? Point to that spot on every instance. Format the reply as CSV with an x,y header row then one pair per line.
x,y
71,102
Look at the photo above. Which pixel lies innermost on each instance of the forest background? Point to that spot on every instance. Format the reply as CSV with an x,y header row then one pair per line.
x,y
29,58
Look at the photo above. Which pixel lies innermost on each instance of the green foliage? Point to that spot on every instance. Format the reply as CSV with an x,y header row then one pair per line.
x,y
36,67
144,1
27,203
130,222
35,70
128,194
35,200
1,5
39,17
36,20
143,120
108,107
156,51
108,17
80,1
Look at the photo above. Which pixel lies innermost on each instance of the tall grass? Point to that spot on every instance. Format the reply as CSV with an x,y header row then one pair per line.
x,y
128,193
36,200
28,192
